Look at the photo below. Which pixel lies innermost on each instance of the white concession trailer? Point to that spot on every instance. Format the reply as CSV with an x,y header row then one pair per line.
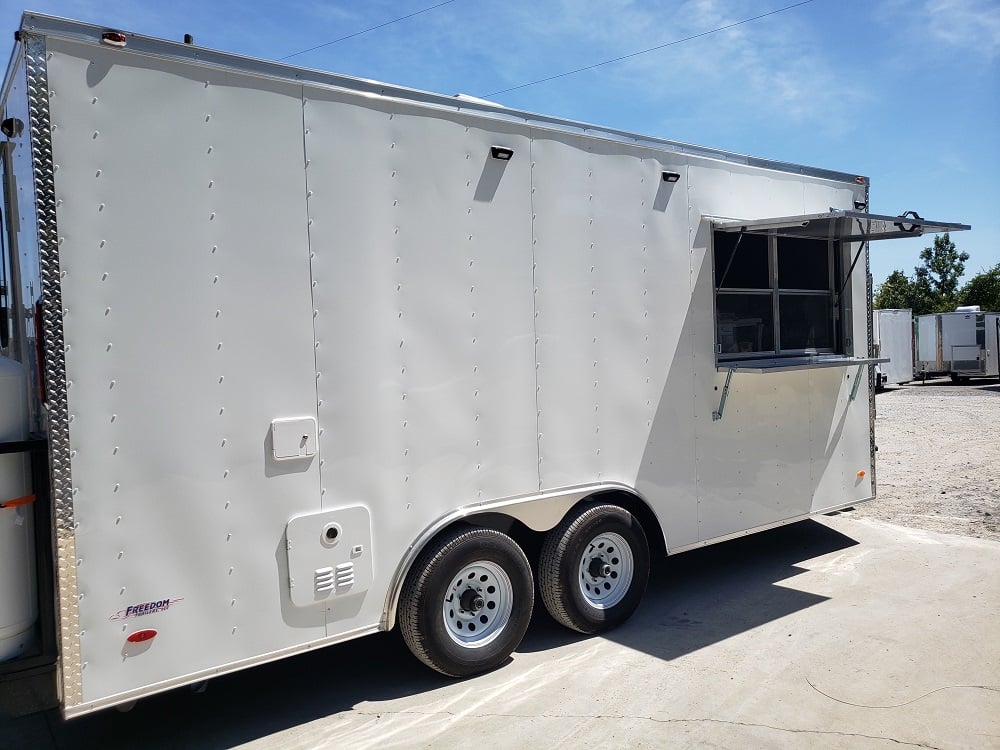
x,y
963,344
304,357
892,333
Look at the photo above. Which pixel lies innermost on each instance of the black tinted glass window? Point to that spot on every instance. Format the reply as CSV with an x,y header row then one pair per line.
x,y
747,267
805,321
803,264
745,323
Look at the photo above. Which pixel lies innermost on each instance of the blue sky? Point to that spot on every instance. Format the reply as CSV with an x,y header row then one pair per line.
x,y
906,92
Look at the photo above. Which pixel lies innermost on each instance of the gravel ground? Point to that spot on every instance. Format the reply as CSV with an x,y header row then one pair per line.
x,y
938,463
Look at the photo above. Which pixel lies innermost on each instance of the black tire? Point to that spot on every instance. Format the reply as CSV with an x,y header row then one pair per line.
x,y
593,569
485,579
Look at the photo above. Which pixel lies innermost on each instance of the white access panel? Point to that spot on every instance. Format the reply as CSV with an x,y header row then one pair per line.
x,y
293,438
330,559
423,313
181,208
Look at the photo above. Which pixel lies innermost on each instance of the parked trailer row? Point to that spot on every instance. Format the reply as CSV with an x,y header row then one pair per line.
x,y
963,344
321,357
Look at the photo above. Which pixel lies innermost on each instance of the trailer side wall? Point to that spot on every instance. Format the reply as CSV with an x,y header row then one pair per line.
x,y
462,332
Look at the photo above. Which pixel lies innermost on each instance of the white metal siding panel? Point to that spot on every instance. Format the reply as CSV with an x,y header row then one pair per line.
x,y
754,463
822,195
841,427
758,464
838,438
612,293
181,210
423,303
739,462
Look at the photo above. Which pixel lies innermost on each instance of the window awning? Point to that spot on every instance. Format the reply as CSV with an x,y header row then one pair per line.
x,y
848,226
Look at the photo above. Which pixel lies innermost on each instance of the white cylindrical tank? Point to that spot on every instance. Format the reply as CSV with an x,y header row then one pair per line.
x,y
18,599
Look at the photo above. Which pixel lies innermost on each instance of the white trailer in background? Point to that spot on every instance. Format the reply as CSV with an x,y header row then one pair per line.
x,y
963,344
323,356
892,332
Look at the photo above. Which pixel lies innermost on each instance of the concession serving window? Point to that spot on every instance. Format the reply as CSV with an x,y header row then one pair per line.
x,y
780,301
780,282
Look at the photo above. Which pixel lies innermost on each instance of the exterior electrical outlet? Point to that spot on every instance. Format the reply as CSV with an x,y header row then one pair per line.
x,y
279,398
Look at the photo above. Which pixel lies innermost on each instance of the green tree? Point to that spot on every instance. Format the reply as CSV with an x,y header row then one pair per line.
x,y
983,289
933,286
895,293
938,277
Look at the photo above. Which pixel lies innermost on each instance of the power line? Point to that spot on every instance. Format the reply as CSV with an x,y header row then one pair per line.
x,y
653,49
365,31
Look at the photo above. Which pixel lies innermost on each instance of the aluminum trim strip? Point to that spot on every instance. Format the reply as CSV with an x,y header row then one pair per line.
x,y
569,497
82,32
766,527
68,619
871,370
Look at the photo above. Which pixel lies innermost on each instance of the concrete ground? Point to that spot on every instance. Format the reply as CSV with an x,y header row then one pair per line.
x,y
836,633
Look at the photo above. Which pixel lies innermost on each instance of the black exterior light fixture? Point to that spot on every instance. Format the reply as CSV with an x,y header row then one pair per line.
x,y
12,127
671,176
501,152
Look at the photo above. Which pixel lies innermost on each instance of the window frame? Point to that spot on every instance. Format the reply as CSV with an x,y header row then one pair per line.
x,y
775,293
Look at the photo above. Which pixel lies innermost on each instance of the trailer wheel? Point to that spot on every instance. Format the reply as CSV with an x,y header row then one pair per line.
x,y
593,568
467,602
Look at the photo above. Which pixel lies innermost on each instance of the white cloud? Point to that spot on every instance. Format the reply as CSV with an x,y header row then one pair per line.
x,y
973,25
776,66
969,26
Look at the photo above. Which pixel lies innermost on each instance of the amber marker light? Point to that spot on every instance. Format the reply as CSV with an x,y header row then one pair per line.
x,y
114,38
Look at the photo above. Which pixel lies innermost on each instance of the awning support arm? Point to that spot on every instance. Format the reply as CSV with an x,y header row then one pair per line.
x,y
857,382
717,415
857,255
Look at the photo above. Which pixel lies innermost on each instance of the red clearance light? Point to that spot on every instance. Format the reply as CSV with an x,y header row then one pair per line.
x,y
114,38
141,636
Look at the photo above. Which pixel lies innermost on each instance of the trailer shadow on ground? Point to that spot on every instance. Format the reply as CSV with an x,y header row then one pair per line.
x,y
709,595
693,601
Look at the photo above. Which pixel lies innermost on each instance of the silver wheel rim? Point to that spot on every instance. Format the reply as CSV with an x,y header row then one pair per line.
x,y
606,570
478,604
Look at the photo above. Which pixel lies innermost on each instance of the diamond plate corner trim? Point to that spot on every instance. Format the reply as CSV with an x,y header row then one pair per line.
x,y
871,369
68,621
